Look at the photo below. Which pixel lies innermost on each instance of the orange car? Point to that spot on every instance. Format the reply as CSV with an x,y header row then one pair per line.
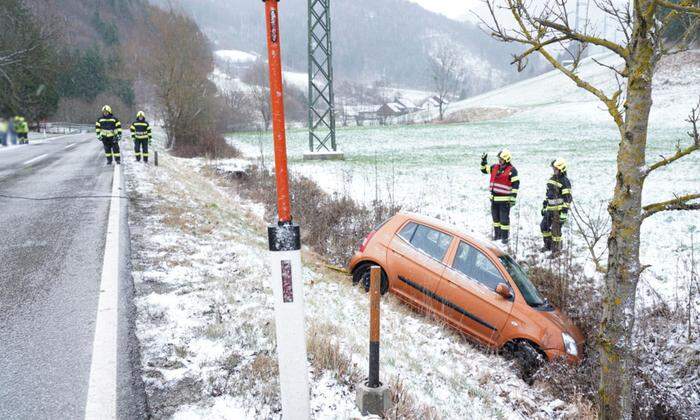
x,y
470,283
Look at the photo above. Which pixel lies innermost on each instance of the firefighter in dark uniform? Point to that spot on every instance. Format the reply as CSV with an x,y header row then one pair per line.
x,y
109,132
504,185
142,135
555,208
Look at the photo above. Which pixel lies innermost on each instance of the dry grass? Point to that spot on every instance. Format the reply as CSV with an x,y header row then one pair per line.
x,y
326,354
406,407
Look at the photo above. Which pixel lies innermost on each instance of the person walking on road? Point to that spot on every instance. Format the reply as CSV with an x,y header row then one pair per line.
x,y
555,208
504,185
142,135
22,130
4,128
109,131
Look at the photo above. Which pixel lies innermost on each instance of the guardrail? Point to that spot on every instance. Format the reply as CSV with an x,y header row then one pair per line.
x,y
65,128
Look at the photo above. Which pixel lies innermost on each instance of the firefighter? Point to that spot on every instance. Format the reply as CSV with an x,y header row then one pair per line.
x,y
555,208
504,186
4,129
109,131
142,135
22,130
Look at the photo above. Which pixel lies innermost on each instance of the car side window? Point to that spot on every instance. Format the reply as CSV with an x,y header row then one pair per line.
x,y
485,272
461,262
431,241
408,231
475,265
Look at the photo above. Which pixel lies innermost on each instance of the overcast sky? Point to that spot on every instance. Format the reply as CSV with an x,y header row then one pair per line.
x,y
455,9
465,9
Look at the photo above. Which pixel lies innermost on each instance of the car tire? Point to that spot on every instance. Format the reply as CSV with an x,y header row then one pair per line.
x,y
361,276
527,358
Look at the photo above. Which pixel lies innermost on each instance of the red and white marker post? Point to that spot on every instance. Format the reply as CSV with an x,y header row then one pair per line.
x,y
285,250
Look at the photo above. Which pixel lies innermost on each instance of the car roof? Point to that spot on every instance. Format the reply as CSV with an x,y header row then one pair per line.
x,y
470,236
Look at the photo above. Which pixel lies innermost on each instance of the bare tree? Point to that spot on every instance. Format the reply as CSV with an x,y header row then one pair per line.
x,y
593,225
447,72
27,61
260,90
643,24
177,62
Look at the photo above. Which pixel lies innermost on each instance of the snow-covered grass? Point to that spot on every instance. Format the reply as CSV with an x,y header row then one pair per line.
x,y
206,327
435,169
236,56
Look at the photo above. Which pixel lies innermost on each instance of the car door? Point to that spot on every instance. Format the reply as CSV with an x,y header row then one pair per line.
x,y
468,294
416,257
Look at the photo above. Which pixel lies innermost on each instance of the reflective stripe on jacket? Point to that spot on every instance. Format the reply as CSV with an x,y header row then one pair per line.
x,y
504,183
141,130
558,194
108,126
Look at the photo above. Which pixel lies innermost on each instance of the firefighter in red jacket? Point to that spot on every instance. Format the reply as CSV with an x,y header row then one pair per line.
x,y
504,186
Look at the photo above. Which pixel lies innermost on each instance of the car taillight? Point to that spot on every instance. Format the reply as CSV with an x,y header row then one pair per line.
x,y
366,241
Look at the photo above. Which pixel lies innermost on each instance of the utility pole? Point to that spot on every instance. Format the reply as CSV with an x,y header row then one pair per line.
x,y
285,250
322,144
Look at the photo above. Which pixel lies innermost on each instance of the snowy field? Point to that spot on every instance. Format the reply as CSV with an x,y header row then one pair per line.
x,y
434,169
206,326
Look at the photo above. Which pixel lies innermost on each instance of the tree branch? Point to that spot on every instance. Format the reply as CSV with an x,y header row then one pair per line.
x,y
678,203
572,34
684,6
693,119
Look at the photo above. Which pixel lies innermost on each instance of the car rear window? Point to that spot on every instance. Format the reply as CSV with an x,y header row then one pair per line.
x,y
431,241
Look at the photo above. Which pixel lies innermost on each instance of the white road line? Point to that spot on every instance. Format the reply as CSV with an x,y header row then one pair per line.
x,y
102,391
70,145
36,159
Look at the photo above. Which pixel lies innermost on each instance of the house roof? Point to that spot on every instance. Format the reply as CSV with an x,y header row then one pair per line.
x,y
407,103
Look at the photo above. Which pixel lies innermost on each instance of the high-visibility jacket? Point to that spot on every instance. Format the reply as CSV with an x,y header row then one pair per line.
x,y
141,130
108,127
504,183
558,194
22,127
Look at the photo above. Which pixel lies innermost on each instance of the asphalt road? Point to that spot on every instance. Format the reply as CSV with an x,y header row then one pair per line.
x,y
54,205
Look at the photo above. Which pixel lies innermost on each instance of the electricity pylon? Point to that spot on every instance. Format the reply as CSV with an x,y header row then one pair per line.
x,y
321,98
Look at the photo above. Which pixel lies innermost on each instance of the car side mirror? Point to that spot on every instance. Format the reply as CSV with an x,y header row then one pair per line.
x,y
504,291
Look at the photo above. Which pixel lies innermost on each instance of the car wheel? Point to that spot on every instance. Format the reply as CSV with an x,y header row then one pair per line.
x,y
527,358
361,276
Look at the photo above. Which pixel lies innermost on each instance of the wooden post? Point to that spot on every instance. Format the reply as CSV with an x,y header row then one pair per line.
x,y
155,157
374,296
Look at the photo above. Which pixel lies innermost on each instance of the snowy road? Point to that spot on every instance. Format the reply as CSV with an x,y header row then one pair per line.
x,y
54,207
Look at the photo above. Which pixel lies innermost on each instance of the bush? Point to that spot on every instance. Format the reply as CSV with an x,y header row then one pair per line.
x,y
209,144
332,225
659,372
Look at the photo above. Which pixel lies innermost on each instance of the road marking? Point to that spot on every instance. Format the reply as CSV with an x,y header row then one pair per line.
x,y
102,390
70,145
36,159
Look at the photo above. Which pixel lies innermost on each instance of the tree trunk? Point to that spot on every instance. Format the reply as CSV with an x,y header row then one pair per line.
x,y
624,269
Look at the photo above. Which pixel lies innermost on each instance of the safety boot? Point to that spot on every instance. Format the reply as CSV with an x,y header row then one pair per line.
x,y
547,245
504,237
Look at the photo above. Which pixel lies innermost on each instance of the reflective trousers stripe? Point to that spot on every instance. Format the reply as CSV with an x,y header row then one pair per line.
x,y
502,198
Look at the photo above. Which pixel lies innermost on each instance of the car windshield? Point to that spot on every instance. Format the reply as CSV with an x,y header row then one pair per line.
x,y
529,291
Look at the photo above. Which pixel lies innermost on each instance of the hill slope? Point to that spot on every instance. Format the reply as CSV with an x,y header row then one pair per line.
x,y
372,39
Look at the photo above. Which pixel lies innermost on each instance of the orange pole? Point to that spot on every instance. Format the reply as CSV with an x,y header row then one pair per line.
x,y
374,296
277,102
